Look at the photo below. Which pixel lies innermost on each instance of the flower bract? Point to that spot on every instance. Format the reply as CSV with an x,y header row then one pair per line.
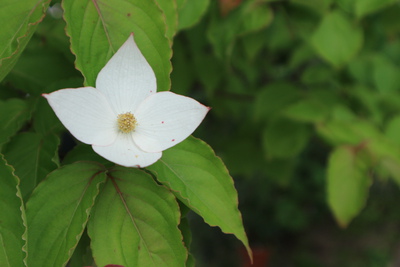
x,y
124,118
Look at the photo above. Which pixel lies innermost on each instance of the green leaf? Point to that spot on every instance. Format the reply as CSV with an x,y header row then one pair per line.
x,y
364,7
171,16
274,98
58,211
385,75
336,39
13,114
191,12
12,219
348,183
97,29
201,181
21,18
84,152
135,222
284,138
33,157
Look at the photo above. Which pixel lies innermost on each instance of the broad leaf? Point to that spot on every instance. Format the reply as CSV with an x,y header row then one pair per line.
x,y
336,39
12,219
98,28
58,210
135,222
21,18
201,181
13,114
33,157
348,183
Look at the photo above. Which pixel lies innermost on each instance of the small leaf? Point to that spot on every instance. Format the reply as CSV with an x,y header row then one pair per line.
x,y
191,12
13,114
12,219
364,7
58,211
284,138
201,181
135,222
98,28
21,18
348,183
336,39
33,157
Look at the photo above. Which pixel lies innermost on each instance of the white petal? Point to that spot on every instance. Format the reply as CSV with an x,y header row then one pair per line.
x,y
124,152
165,119
86,113
127,79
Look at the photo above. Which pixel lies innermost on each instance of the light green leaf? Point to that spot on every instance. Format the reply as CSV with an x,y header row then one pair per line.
x,y
284,138
33,157
12,219
171,16
97,29
191,12
21,18
135,222
364,7
348,183
13,114
337,39
385,75
274,98
201,181
58,211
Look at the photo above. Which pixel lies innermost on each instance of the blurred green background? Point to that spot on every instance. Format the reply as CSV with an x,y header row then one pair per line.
x,y
293,85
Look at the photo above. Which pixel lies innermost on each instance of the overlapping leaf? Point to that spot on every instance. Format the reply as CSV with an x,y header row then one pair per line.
x,y
135,223
58,210
200,180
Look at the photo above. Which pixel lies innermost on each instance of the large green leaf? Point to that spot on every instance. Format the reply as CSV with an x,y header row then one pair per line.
x,y
201,181
135,223
58,211
20,19
98,28
12,219
33,157
336,39
13,114
348,183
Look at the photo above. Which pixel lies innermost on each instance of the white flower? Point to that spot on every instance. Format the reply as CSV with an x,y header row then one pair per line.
x,y
123,118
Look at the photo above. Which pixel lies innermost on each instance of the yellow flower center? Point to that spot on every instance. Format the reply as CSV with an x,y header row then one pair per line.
x,y
126,122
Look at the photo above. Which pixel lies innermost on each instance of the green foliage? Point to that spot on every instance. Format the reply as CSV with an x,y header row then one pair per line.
x,y
304,95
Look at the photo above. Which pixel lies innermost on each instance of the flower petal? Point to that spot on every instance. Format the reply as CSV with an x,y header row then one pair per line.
x,y
127,79
86,113
165,119
124,152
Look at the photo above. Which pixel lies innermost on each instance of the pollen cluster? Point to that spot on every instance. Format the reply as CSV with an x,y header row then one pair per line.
x,y
126,122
